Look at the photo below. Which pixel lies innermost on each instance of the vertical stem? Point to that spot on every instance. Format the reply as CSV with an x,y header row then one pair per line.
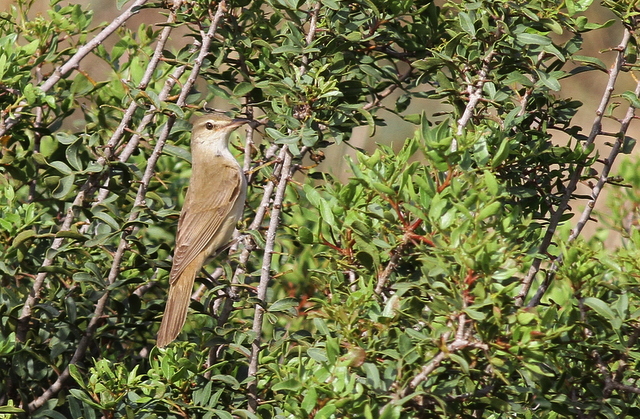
x,y
265,273
575,177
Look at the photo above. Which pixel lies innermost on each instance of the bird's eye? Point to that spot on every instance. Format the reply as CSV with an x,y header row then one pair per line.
x,y
208,126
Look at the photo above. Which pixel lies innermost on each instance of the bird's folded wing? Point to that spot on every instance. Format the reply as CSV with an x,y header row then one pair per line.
x,y
207,206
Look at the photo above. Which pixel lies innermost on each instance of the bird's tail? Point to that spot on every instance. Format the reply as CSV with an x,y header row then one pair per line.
x,y
175,312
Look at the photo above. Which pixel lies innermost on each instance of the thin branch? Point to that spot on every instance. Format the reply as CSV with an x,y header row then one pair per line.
x,y
390,89
388,270
91,184
554,221
138,203
74,61
146,79
274,222
34,296
132,144
595,194
313,26
265,275
461,341
475,94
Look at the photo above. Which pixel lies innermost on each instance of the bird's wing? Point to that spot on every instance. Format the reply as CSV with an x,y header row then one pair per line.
x,y
207,206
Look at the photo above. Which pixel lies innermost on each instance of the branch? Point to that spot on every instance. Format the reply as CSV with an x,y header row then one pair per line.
x,y
390,89
139,202
146,79
91,184
265,275
274,222
575,177
74,61
462,340
475,94
595,194
132,144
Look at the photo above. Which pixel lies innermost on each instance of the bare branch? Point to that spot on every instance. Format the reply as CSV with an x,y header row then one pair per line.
x,y
146,79
286,172
475,94
139,202
265,274
383,277
575,177
461,341
595,194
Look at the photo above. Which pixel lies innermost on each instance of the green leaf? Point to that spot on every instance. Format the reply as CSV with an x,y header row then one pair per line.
x,y
549,81
11,409
533,39
288,49
22,236
274,133
242,88
632,98
464,365
305,235
492,183
628,145
310,400
65,185
286,305
72,154
590,61
391,411
290,385
175,151
108,219
600,307
489,210
61,167
466,23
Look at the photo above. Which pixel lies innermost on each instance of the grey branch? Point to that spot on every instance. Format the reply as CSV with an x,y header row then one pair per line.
x,y
595,194
475,94
576,175
139,202
74,61
265,273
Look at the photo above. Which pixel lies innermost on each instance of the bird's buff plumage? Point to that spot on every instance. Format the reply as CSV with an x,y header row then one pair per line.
x,y
213,205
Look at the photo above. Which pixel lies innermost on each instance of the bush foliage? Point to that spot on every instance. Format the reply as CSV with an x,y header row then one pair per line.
x,y
440,278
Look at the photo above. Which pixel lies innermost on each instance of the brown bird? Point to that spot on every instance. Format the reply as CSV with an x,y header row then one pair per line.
x,y
212,207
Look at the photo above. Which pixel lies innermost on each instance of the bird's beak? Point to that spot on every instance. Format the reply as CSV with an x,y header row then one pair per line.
x,y
238,122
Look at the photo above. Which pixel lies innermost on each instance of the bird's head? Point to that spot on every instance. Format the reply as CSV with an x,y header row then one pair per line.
x,y
211,124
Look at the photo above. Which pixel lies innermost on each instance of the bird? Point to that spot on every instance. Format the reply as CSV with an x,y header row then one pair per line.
x,y
213,205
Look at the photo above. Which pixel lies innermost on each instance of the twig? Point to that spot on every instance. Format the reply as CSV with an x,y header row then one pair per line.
x,y
89,186
554,221
595,194
313,26
34,295
274,222
475,94
462,340
138,203
146,78
132,144
391,266
74,61
265,274
390,89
